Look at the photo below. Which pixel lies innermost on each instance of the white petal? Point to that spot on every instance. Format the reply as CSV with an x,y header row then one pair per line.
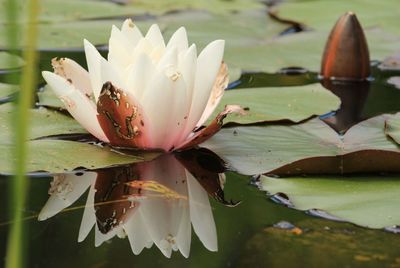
x,y
208,64
77,104
143,47
140,75
100,238
138,235
131,32
154,36
201,214
169,59
184,235
217,92
166,105
93,58
178,40
110,74
89,216
66,189
119,50
74,73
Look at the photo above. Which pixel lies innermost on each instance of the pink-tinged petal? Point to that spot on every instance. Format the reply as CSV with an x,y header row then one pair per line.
x,y
73,73
78,105
166,105
121,118
201,215
139,76
220,84
154,36
119,50
93,59
208,65
178,40
131,32
207,132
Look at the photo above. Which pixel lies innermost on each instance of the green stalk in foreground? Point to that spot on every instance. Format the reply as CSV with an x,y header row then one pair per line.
x,y
14,255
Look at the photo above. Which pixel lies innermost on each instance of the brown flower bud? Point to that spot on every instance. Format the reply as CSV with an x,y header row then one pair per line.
x,y
346,54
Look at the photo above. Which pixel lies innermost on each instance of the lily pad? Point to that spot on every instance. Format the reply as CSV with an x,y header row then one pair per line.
x,y
9,61
311,147
395,81
216,6
322,15
54,155
392,128
279,103
366,201
301,50
7,89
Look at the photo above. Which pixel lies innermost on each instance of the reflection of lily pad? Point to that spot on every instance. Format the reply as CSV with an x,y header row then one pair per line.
x,y
392,128
54,155
394,80
322,15
367,201
312,147
279,103
302,50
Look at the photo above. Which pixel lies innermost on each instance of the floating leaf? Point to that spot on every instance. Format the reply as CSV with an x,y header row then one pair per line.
x,y
54,155
279,103
311,147
7,60
321,15
392,128
301,50
7,89
394,80
367,201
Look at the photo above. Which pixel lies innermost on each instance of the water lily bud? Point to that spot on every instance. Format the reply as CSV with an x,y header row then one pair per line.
x,y
346,54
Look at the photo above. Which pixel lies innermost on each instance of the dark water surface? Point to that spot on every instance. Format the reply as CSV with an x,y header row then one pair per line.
x,y
190,203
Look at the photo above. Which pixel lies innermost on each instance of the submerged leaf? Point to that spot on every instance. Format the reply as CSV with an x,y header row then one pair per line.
x,y
311,147
367,201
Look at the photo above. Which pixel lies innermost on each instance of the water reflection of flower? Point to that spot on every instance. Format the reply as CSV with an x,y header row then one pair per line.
x,y
147,94
154,202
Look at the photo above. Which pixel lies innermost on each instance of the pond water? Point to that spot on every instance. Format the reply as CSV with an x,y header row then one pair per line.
x,y
189,202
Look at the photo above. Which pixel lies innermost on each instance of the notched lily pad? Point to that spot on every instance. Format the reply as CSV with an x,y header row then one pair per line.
x,y
366,201
308,148
279,103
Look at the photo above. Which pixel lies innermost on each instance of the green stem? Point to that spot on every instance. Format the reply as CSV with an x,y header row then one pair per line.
x,y
14,255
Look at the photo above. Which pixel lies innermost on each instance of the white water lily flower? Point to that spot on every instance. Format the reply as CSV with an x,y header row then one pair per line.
x,y
147,94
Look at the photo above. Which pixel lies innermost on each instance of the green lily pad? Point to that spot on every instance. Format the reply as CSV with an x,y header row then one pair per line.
x,y
392,128
215,6
311,147
367,201
7,89
279,103
9,61
57,156
322,15
300,50
50,154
